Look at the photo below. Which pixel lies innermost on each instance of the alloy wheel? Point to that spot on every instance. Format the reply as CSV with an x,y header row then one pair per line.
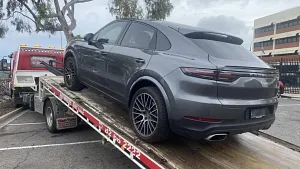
x,y
145,114
69,73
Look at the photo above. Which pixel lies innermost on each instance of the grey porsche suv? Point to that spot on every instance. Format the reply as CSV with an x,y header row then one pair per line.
x,y
175,78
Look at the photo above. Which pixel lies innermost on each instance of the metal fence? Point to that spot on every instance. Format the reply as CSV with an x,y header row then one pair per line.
x,y
289,71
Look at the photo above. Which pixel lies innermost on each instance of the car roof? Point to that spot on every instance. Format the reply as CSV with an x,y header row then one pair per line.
x,y
179,27
173,25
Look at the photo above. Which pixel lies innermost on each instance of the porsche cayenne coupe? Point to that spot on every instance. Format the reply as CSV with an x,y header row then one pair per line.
x,y
175,78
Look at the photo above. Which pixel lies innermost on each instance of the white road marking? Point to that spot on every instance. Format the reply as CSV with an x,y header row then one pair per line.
x,y
288,105
22,124
49,145
9,120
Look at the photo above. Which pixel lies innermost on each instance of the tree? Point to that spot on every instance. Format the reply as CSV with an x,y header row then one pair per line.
x,y
3,28
78,37
44,15
153,9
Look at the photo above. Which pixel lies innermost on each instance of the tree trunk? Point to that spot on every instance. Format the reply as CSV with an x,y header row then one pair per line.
x,y
63,23
68,33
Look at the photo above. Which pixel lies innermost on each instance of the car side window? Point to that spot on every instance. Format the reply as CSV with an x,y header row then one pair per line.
x,y
139,36
162,42
111,32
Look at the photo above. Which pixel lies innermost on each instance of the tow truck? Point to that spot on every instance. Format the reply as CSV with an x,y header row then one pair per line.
x,y
63,109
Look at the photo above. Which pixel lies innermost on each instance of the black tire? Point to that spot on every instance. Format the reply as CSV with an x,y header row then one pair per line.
x,y
50,117
31,103
162,130
70,75
15,100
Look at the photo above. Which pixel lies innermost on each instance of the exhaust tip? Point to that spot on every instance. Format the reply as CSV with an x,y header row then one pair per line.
x,y
217,137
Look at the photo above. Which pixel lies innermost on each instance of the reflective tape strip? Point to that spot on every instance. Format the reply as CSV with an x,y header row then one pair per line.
x,y
41,50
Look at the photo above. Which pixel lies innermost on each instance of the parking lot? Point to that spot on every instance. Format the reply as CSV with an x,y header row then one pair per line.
x,y
287,123
26,143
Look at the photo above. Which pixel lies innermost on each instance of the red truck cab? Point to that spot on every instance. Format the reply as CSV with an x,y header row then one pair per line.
x,y
26,68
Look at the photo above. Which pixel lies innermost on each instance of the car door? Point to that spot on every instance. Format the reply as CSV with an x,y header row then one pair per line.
x,y
112,33
130,57
93,62
84,54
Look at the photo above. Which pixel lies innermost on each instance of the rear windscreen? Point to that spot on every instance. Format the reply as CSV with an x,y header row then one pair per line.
x,y
224,50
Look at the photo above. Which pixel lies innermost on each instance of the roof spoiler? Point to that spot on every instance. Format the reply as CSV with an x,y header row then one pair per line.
x,y
214,36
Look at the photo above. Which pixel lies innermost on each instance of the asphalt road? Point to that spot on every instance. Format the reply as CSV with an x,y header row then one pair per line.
x,y
287,123
26,143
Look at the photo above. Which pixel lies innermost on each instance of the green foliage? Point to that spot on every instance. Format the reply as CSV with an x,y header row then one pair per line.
x,y
24,12
158,9
78,37
153,9
3,28
126,9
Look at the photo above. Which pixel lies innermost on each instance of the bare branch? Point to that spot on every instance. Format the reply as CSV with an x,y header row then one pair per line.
x,y
73,2
21,14
29,9
70,14
53,15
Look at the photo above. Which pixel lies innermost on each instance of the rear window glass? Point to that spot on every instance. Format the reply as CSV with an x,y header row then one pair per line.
x,y
224,50
35,61
162,42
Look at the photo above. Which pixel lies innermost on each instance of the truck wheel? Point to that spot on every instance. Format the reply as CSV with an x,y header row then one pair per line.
x,y
15,101
50,119
148,115
70,75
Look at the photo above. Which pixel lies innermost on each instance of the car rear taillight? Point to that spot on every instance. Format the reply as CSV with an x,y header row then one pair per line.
x,y
211,74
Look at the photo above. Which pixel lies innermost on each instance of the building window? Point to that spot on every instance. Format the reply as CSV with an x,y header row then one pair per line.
x,y
264,29
264,43
287,24
286,40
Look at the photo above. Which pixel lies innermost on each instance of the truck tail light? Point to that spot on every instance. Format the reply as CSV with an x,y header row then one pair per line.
x,y
211,74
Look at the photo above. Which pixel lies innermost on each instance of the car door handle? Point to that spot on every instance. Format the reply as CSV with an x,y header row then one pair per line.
x,y
139,60
104,53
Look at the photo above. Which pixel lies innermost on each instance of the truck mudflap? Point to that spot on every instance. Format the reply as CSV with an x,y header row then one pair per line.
x,y
108,119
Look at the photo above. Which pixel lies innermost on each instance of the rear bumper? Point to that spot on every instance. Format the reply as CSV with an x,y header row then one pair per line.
x,y
199,130
231,120
197,98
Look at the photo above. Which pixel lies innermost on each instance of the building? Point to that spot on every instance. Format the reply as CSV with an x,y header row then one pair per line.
x,y
277,34
276,41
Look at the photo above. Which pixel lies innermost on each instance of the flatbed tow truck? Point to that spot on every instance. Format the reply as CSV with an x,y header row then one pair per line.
x,y
63,109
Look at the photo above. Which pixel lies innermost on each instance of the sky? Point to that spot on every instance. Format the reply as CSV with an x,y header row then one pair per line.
x,y
235,17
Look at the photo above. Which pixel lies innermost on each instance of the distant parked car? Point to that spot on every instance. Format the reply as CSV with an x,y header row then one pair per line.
x,y
281,89
175,78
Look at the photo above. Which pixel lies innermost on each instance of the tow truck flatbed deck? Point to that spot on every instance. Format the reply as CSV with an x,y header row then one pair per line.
x,y
241,151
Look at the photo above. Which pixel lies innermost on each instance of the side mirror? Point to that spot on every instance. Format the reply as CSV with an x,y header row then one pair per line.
x,y
4,65
88,37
